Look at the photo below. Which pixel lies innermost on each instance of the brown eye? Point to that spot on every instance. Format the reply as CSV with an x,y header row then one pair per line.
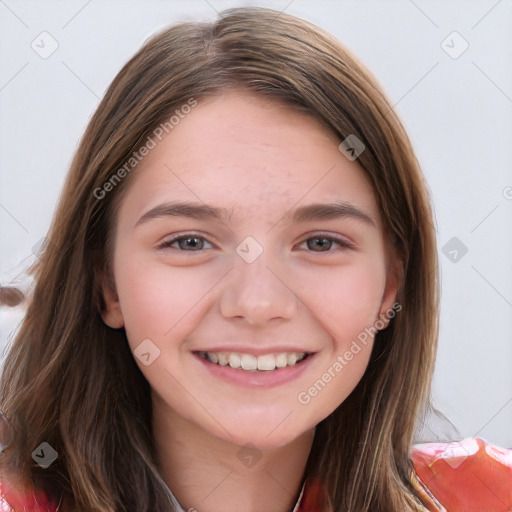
x,y
325,244
186,243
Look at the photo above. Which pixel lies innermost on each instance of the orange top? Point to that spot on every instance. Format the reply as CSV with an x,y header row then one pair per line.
x,y
466,476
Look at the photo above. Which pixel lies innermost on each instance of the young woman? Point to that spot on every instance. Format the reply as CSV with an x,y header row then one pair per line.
x,y
237,306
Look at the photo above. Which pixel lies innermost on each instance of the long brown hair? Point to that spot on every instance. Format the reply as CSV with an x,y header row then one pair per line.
x,y
71,381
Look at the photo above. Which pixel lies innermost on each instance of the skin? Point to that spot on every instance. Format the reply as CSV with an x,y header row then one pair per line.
x,y
260,159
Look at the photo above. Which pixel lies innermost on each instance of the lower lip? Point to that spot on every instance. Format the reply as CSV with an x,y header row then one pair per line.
x,y
263,379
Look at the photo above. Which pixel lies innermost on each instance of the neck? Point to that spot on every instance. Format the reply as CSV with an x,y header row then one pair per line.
x,y
209,474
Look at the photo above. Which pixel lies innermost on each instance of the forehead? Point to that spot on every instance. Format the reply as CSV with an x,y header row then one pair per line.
x,y
241,151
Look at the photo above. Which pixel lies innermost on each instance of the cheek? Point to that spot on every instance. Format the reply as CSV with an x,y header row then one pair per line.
x,y
347,304
346,299
159,301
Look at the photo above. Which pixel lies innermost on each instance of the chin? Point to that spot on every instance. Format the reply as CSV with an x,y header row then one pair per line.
x,y
260,435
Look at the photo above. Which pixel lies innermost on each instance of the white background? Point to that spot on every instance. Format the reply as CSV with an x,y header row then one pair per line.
x,y
457,112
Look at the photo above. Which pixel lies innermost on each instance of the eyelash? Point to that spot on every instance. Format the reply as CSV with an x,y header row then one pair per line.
x,y
343,244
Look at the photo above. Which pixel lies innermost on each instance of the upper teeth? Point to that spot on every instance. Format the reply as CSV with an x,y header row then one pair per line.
x,y
250,362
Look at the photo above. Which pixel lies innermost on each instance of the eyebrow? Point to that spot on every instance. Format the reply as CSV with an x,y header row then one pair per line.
x,y
302,214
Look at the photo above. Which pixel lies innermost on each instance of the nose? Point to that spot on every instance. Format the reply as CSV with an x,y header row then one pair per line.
x,y
259,291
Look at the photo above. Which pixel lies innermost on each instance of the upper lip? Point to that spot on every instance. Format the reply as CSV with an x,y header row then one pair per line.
x,y
255,351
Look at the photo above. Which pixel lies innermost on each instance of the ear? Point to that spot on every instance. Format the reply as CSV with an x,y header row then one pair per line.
x,y
110,308
394,278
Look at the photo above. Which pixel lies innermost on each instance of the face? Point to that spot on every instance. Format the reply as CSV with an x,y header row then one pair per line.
x,y
245,310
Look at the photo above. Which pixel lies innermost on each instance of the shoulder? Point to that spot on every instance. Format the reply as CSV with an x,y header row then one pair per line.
x,y
466,475
14,498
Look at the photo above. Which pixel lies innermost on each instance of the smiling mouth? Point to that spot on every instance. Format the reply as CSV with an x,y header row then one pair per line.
x,y
251,363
